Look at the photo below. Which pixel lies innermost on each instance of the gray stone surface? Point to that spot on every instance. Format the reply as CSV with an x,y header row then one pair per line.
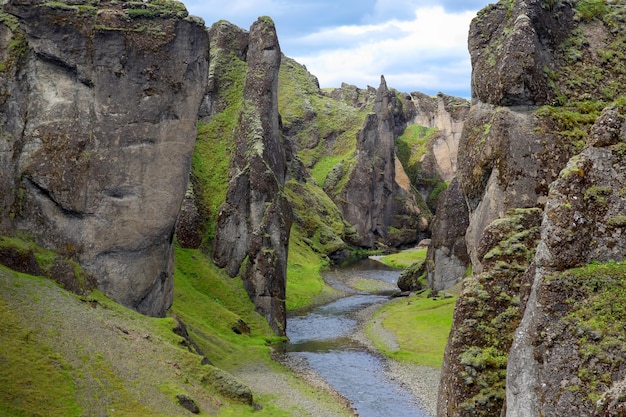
x,y
98,128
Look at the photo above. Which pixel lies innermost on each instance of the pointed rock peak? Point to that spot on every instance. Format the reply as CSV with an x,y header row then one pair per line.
x,y
265,31
383,84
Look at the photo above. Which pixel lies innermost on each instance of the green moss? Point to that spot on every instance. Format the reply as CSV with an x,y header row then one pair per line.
x,y
323,129
591,9
18,46
154,9
617,221
597,194
214,144
305,285
412,148
595,300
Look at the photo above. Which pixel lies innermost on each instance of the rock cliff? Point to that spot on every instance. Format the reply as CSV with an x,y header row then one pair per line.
x,y
447,115
253,224
98,125
540,171
374,199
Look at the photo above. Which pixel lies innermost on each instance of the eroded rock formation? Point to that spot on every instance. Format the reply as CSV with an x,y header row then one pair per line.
x,y
539,168
447,114
252,232
374,200
98,126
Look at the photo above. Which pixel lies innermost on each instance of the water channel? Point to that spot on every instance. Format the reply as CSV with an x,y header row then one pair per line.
x,y
323,337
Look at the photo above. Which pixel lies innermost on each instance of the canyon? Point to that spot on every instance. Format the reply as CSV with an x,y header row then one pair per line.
x,y
131,132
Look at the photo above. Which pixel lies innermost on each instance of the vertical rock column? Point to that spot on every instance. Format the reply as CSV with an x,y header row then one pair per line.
x,y
252,232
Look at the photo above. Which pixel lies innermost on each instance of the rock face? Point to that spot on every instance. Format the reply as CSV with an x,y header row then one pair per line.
x,y
541,172
447,114
447,258
380,207
98,127
252,232
558,332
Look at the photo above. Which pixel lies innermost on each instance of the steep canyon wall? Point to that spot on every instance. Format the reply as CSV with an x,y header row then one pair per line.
x,y
541,169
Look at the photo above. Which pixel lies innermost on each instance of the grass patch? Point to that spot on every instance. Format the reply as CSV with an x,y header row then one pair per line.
x,y
305,285
211,303
405,258
35,380
421,327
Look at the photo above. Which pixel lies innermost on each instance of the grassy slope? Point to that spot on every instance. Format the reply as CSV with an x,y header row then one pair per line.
x,y
405,258
329,138
65,355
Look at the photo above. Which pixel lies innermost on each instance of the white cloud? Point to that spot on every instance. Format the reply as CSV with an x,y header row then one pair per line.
x,y
427,52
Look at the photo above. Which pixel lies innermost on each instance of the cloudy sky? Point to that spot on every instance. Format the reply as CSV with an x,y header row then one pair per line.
x,y
418,45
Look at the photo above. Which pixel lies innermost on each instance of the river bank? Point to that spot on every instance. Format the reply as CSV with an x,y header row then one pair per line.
x,y
368,334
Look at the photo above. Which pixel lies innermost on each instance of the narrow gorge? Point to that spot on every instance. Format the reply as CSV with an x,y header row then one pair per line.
x,y
171,191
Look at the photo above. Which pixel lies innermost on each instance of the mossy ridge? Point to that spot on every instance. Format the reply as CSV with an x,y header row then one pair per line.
x,y
323,129
594,301
130,10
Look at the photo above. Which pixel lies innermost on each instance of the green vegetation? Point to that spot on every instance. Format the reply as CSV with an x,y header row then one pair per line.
x,y
595,73
412,148
591,9
18,46
305,285
34,377
404,258
211,158
66,355
573,122
490,305
595,300
324,129
155,9
420,326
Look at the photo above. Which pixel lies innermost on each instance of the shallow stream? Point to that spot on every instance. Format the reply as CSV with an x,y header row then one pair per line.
x,y
323,337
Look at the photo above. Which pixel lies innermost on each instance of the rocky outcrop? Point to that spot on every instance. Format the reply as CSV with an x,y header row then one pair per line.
x,y
252,232
447,259
447,114
98,125
567,354
530,189
373,200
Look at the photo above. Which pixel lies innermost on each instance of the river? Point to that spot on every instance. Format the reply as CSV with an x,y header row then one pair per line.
x,y
324,338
